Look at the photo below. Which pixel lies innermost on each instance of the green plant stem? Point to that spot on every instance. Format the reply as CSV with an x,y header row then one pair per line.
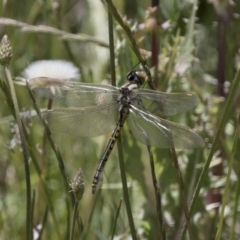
x,y
25,156
230,164
111,49
119,143
184,199
222,122
32,205
55,149
44,221
74,217
157,195
88,222
41,165
116,218
53,145
125,189
44,189
235,209
124,24
35,163
51,30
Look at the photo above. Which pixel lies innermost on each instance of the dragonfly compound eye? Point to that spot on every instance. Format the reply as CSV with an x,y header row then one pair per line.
x,y
136,77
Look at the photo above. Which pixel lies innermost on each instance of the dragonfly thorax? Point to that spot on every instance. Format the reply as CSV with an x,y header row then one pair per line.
x,y
124,99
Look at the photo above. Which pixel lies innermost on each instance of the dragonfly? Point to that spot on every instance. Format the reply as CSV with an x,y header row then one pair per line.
x,y
90,110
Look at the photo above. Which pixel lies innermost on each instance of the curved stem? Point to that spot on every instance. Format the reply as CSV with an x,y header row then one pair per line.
x,y
25,156
157,195
222,122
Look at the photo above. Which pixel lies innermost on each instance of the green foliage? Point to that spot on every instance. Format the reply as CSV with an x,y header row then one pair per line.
x,y
193,54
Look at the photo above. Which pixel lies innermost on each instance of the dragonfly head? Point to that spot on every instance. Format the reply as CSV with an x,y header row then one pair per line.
x,y
136,77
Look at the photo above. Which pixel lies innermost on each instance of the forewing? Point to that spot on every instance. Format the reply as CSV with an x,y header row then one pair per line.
x,y
163,104
75,94
154,131
86,122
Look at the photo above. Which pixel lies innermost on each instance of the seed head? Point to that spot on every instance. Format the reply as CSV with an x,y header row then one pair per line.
x,y
5,51
77,185
57,69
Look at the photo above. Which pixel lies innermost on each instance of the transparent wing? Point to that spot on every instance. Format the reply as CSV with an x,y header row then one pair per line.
x,y
163,104
75,94
153,131
86,122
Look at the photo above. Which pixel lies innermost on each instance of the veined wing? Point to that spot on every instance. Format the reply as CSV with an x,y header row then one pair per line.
x,y
86,122
154,131
75,94
163,104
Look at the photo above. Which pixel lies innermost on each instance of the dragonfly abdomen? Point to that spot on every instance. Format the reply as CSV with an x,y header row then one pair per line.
x,y
124,111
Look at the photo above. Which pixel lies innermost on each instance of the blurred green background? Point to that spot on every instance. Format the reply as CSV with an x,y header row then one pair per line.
x,y
190,46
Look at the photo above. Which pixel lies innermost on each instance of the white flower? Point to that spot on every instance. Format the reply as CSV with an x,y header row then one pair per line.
x,y
49,78
57,69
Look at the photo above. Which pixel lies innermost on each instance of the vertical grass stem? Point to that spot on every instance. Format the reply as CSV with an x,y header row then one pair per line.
x,y
25,156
